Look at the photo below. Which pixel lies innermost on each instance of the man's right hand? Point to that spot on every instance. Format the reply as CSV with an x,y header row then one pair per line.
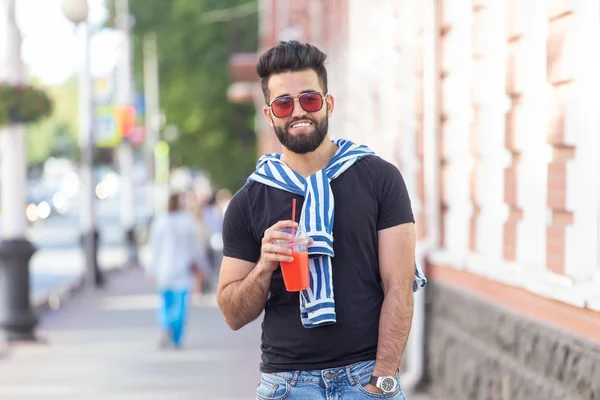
x,y
270,253
244,285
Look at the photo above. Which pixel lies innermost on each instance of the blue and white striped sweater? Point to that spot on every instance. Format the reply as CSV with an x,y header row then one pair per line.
x,y
317,306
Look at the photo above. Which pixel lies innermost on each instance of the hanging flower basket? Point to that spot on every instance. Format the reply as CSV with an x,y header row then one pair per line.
x,y
23,104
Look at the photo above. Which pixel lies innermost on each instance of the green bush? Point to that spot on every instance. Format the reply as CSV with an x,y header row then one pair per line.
x,y
23,104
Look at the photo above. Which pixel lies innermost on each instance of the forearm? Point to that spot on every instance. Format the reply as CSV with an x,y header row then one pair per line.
x,y
394,327
241,302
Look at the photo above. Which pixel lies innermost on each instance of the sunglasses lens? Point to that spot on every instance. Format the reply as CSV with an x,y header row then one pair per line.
x,y
311,102
283,107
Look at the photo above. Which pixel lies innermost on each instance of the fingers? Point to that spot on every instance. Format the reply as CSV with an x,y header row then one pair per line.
x,y
275,258
276,253
274,232
278,249
274,235
273,252
282,225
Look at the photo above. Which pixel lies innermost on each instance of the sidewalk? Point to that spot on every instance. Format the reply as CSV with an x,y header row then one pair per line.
x,y
104,346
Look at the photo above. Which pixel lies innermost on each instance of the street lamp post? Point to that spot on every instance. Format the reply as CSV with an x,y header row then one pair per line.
x,y
77,12
17,319
152,110
125,151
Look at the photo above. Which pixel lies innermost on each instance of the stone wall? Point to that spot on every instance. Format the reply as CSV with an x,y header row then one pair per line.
x,y
479,350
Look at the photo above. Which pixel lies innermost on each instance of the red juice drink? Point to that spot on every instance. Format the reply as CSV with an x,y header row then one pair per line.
x,y
296,274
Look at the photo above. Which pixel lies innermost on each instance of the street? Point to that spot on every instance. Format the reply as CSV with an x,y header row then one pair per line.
x,y
59,259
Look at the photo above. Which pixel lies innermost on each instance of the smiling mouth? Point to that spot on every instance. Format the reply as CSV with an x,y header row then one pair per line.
x,y
301,124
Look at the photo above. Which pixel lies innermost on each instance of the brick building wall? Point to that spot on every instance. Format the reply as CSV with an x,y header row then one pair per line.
x,y
490,110
520,182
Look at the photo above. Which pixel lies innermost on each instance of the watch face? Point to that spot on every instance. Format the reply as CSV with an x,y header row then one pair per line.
x,y
388,384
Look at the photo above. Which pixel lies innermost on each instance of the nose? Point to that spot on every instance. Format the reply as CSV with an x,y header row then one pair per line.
x,y
298,111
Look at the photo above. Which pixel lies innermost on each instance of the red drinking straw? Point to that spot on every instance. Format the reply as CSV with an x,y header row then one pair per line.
x,y
293,217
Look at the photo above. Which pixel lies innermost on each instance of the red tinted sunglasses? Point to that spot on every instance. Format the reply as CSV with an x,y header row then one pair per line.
x,y
284,106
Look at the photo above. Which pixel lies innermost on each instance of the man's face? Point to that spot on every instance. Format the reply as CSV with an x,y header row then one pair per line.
x,y
301,132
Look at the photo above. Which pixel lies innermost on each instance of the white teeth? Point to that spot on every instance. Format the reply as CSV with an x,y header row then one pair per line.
x,y
301,125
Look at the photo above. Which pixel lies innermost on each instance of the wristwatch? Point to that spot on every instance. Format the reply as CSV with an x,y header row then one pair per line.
x,y
387,384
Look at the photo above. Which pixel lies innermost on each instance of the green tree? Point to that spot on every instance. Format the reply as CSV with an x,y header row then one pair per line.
x,y
56,135
193,52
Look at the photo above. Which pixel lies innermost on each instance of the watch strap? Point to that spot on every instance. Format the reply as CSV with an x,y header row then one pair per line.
x,y
373,380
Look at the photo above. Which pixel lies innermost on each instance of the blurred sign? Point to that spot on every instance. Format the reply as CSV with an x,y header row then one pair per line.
x,y
103,90
125,119
140,107
137,135
106,133
161,164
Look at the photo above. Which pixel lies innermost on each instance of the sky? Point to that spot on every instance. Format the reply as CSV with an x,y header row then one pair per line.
x,y
52,46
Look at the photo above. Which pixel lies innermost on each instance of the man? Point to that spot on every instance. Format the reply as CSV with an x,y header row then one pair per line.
x,y
344,336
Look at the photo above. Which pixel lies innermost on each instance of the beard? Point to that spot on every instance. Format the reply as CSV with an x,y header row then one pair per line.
x,y
303,143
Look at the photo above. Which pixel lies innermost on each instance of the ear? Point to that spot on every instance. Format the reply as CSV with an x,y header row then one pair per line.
x,y
330,104
268,116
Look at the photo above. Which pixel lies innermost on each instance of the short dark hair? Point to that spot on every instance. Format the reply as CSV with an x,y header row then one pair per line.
x,y
174,203
291,56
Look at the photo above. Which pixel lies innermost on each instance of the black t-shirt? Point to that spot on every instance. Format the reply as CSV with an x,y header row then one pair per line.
x,y
369,196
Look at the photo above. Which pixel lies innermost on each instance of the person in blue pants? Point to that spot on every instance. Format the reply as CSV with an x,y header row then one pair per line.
x,y
177,255
172,315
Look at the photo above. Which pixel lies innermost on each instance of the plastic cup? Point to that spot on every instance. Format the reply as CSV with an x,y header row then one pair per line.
x,y
295,274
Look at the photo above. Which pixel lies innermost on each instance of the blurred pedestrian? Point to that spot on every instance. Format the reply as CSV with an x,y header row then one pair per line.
x,y
223,198
213,215
210,220
196,206
177,259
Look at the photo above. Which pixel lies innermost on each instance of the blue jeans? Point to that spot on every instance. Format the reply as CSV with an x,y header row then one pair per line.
x,y
172,313
345,383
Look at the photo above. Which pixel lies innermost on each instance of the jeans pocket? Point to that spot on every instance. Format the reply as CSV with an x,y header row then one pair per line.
x,y
363,381
272,387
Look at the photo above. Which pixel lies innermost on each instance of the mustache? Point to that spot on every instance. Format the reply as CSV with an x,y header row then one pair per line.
x,y
289,125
